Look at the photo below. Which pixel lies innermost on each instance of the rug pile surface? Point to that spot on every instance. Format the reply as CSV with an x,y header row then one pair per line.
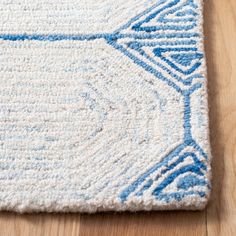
x,y
103,106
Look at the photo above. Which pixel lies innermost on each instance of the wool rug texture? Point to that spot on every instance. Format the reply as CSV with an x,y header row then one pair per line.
x,y
103,106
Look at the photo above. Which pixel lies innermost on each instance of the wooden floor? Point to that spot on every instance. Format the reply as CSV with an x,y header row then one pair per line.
x,y
220,216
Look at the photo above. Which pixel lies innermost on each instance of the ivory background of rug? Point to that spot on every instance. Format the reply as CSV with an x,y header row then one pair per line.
x,y
219,217
87,131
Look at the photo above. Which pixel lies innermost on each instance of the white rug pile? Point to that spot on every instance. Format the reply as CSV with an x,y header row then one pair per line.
x,y
103,105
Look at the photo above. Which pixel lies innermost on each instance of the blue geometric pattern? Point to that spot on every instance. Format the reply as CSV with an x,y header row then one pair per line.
x,y
161,40
169,14
195,172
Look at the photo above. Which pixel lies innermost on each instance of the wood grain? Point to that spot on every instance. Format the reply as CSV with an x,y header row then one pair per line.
x,y
44,224
142,224
220,216
220,31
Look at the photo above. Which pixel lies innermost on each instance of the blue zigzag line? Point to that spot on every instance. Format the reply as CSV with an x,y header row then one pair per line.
x,y
192,168
172,166
187,81
145,66
125,26
138,26
191,70
132,187
173,10
182,158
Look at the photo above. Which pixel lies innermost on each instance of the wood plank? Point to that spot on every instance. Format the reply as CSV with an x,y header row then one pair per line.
x,y
144,223
220,32
43,224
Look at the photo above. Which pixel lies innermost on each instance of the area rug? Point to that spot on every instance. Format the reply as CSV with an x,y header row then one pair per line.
x,y
103,106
